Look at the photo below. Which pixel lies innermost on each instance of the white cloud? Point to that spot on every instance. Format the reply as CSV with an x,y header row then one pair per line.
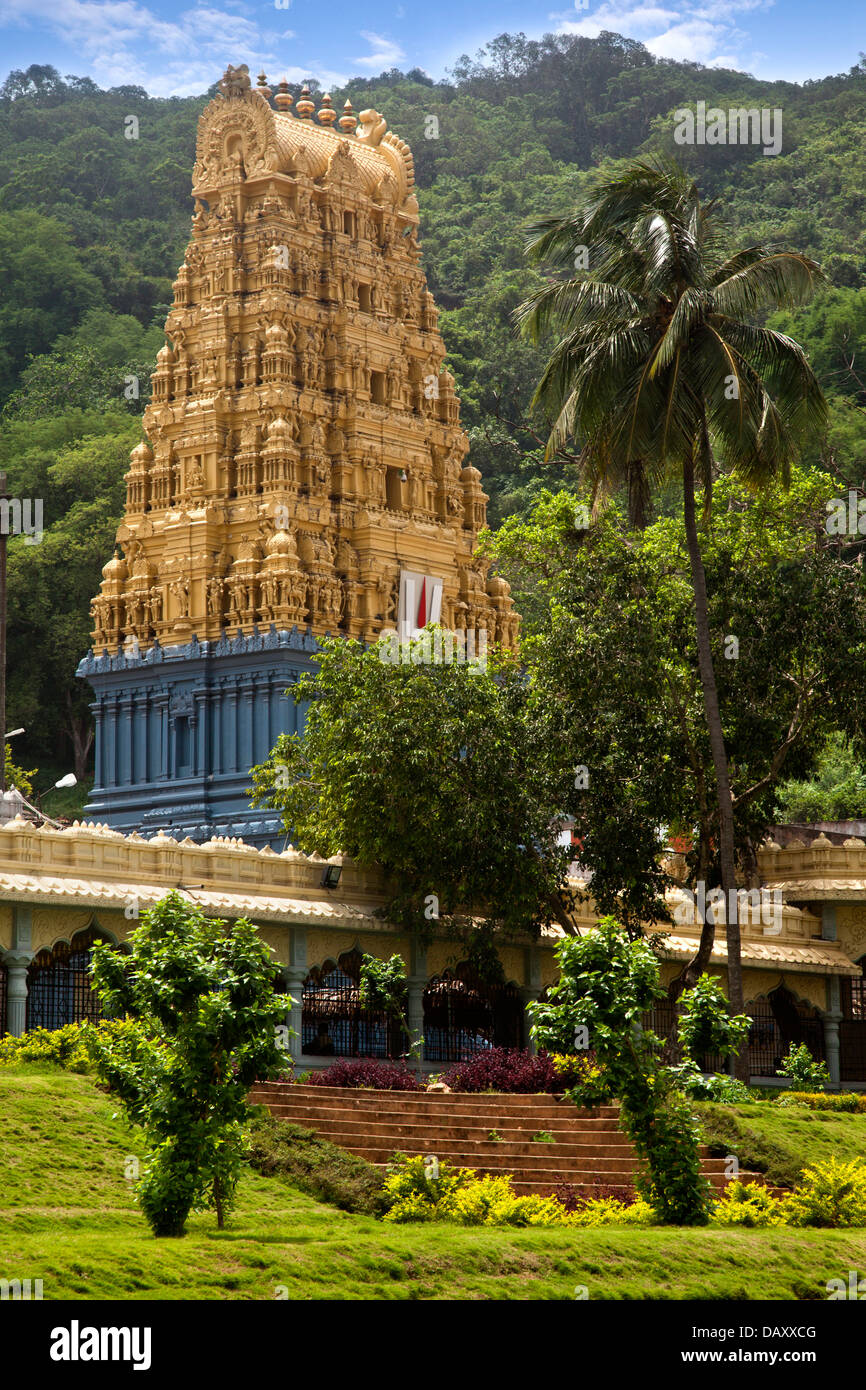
x,y
386,53
701,31
123,43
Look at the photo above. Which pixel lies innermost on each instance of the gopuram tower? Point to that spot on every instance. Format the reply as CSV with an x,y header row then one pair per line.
x,y
303,471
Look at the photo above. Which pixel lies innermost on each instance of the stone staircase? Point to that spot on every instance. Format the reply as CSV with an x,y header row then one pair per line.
x,y
589,1150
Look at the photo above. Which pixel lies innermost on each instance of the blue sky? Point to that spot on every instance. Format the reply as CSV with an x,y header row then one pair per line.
x,y
180,48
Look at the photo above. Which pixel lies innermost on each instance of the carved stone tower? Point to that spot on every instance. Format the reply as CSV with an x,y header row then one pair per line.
x,y
304,471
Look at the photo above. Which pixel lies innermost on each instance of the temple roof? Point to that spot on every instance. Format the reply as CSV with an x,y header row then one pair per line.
x,y
241,121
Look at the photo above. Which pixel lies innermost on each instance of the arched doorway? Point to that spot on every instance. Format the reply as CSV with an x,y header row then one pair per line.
x,y
779,1020
852,1028
464,1014
333,1023
58,983
4,994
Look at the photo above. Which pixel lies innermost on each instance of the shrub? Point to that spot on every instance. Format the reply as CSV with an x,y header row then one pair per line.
x,y
413,1193
586,1079
800,1065
302,1158
505,1069
749,1204
707,1024
70,1047
611,1211
849,1102
831,1193
459,1195
366,1072
725,1089
607,983
61,1047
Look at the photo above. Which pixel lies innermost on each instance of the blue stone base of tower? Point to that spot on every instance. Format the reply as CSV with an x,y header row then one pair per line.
x,y
178,729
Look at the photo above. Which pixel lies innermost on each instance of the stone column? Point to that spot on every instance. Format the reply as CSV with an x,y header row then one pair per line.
x,y
831,1048
416,983
531,990
16,963
296,974
831,1018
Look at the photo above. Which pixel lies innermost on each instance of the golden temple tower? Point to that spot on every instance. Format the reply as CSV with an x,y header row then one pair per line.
x,y
304,471
305,445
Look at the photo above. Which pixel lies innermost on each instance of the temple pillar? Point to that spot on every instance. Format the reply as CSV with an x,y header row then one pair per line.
x,y
296,974
17,964
17,961
831,1019
531,991
416,983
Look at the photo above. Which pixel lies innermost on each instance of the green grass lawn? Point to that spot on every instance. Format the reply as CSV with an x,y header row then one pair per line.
x,y
780,1142
67,1216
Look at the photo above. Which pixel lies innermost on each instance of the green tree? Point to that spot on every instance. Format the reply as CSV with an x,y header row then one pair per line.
x,y
420,768
201,993
606,984
612,650
660,370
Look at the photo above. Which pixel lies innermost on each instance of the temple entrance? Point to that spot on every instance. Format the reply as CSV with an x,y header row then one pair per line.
x,y
778,1021
58,983
4,991
333,1023
464,1014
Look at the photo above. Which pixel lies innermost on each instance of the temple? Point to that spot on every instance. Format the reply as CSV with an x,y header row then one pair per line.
x,y
303,472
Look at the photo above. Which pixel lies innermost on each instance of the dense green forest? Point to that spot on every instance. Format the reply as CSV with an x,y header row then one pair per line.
x,y
93,226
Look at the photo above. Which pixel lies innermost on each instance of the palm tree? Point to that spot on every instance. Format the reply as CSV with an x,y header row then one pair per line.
x,y
659,371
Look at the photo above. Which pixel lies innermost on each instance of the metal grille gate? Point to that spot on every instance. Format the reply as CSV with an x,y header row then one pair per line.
x,y
58,984
463,1014
333,1023
777,1021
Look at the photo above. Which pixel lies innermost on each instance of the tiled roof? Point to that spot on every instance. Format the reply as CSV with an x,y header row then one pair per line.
x,y
816,958
90,892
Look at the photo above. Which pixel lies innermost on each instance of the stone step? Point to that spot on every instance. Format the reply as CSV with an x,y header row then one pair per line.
x,y
266,1092
421,1129
590,1153
480,1115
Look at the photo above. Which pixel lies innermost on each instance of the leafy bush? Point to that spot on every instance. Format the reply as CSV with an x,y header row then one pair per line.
x,y
413,1193
383,985
830,1193
849,1102
801,1066
588,1082
749,1204
356,1072
707,1024
610,1211
201,992
725,1089
459,1195
70,1047
302,1158
606,984
506,1069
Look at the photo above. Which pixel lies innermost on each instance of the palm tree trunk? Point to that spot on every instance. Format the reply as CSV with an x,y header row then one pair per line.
x,y
720,759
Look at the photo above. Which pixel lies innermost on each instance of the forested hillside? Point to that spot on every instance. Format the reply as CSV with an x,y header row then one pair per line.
x,y
93,226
